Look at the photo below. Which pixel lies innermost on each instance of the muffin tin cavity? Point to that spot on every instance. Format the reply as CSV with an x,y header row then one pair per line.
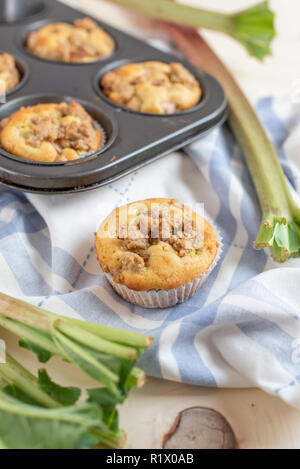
x,y
133,138
23,70
117,64
38,25
107,126
24,75
16,11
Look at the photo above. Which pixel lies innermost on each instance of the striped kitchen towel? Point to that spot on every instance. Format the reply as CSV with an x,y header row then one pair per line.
x,y
242,328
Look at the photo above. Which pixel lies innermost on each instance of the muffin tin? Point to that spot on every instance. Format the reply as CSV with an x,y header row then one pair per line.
x,y
133,139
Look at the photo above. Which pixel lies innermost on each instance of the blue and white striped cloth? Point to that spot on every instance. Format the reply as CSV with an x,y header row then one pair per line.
x,y
242,328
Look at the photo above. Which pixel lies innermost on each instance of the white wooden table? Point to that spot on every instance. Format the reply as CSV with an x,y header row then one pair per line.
x,y
258,420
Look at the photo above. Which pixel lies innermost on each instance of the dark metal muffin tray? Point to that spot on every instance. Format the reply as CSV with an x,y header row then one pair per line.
x,y
133,139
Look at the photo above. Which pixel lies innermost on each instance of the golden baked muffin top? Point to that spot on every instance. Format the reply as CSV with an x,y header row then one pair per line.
x,y
82,42
155,244
9,74
154,87
51,133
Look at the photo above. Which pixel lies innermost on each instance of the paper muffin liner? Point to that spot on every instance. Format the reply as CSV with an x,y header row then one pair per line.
x,y
98,126
166,298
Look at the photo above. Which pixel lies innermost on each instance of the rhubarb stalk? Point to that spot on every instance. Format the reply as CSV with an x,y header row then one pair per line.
x,y
280,226
253,27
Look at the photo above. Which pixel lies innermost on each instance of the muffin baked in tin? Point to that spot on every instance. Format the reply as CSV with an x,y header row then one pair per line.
x,y
51,132
155,248
9,74
152,87
81,42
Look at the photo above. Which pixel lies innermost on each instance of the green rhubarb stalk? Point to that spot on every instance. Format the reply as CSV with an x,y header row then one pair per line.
x,y
253,27
29,334
136,378
280,226
23,312
62,340
46,344
97,343
17,375
40,318
133,339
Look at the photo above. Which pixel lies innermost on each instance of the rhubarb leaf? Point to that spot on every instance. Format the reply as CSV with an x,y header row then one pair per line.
x,y
108,402
66,396
42,354
283,238
122,368
23,426
254,28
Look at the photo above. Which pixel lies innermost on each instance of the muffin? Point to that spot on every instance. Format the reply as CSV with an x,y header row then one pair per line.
x,y
9,73
51,132
156,252
154,87
81,42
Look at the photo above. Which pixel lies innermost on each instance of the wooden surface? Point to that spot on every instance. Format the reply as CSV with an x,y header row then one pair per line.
x,y
258,420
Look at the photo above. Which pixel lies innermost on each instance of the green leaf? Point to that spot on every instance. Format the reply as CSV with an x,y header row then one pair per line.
x,y
122,368
108,402
282,237
254,28
23,426
125,372
103,397
286,240
294,238
15,374
66,396
87,441
42,354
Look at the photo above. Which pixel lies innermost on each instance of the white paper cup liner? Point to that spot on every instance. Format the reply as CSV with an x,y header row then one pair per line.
x,y
166,298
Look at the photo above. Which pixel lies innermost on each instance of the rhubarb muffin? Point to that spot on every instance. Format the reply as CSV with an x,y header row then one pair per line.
x,y
51,132
156,252
9,73
81,42
153,87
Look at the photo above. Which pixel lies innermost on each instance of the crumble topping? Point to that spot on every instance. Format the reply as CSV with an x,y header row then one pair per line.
x,y
161,224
